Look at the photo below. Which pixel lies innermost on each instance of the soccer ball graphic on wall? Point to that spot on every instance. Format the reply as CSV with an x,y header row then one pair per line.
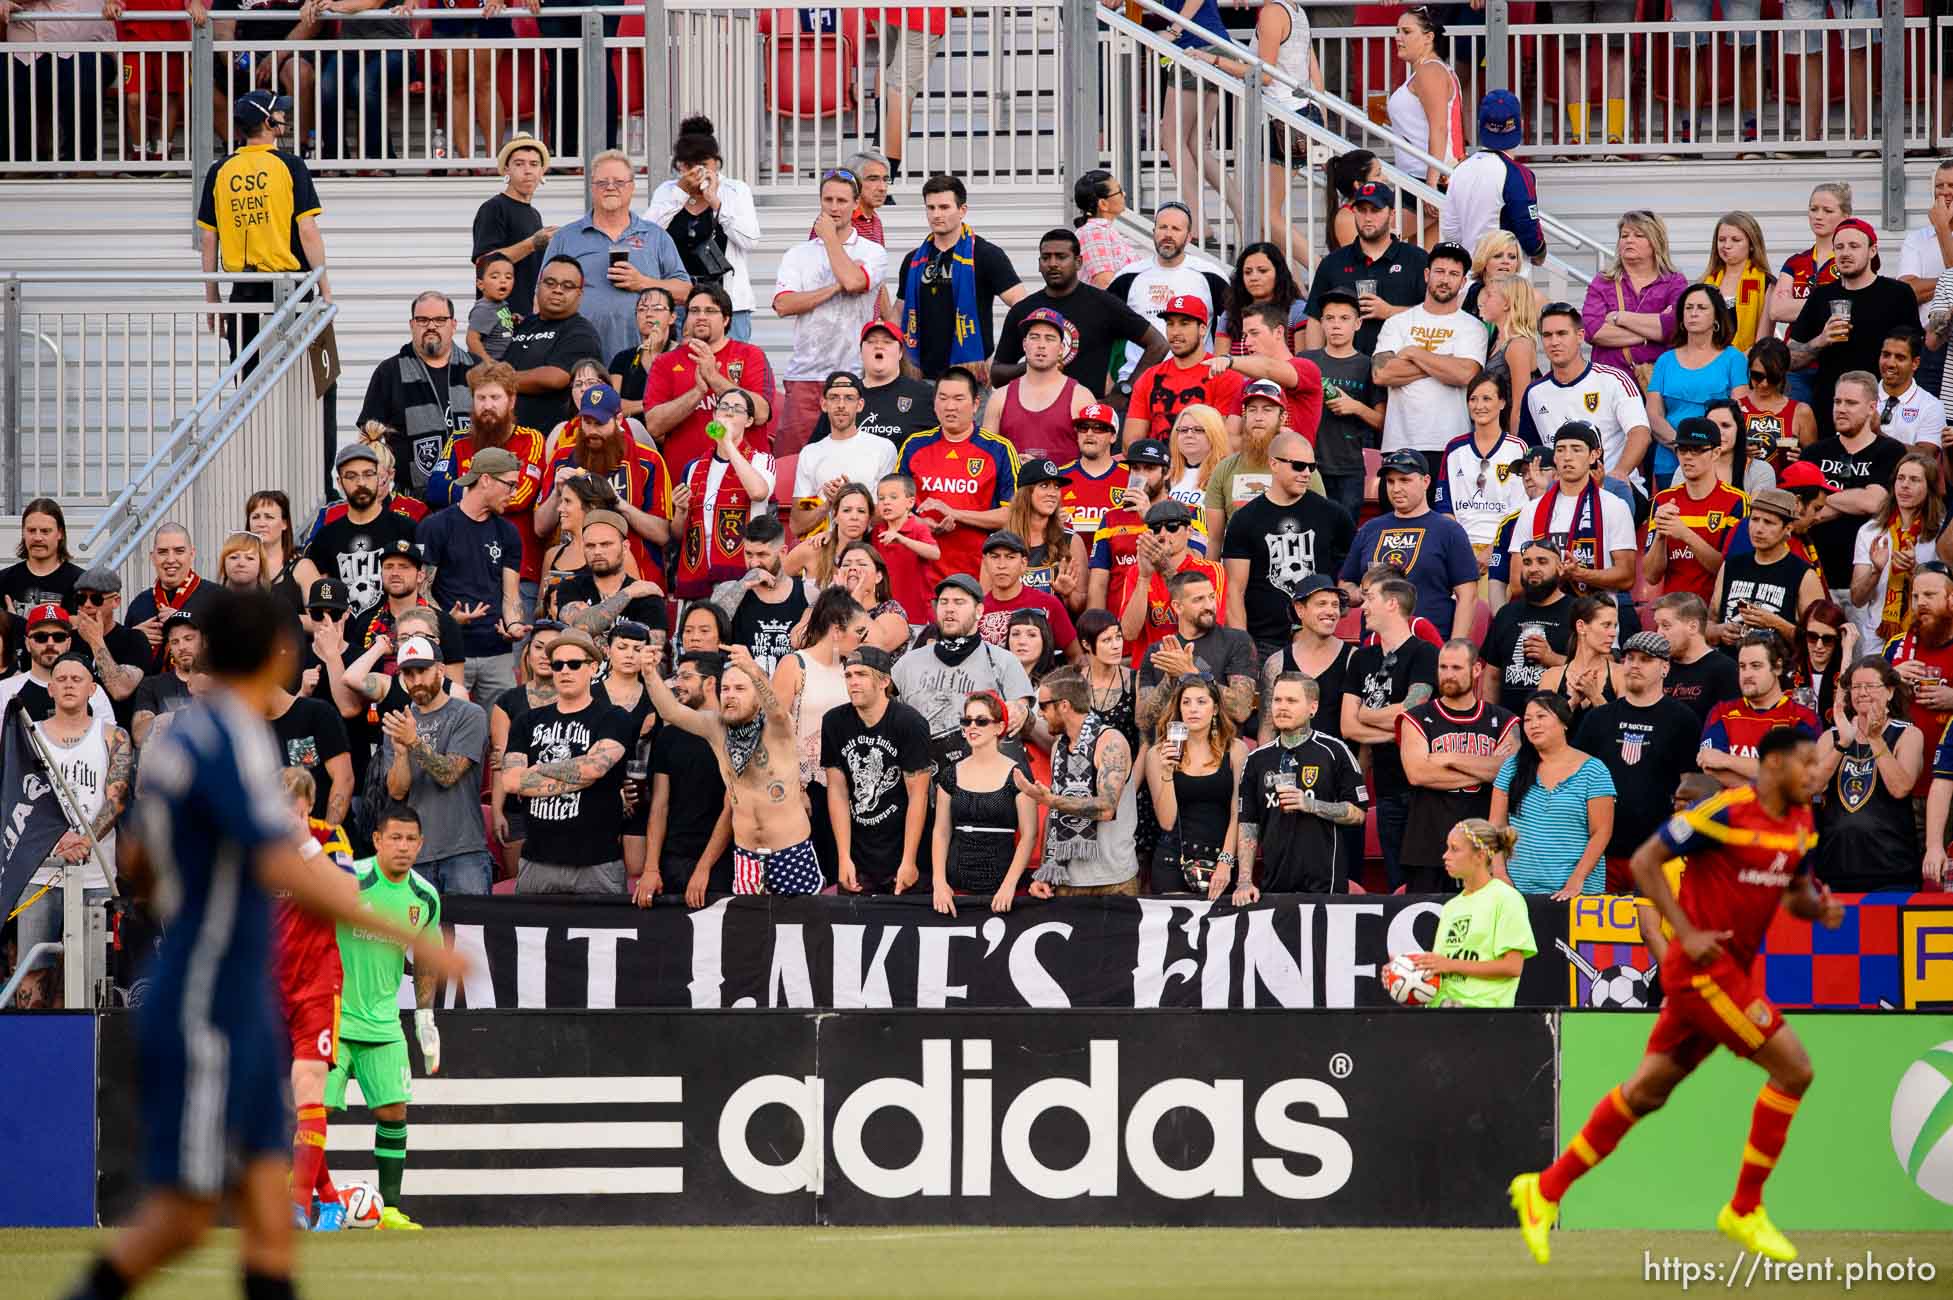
x,y
1922,1122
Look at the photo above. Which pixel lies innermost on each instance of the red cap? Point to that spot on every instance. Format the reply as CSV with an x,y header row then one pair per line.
x,y
47,614
1860,225
879,324
1097,413
1185,305
1803,474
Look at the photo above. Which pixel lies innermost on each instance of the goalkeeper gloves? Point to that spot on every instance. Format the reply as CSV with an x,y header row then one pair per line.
x,y
429,1038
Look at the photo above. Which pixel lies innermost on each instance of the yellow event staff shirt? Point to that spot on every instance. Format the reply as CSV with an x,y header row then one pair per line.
x,y
253,201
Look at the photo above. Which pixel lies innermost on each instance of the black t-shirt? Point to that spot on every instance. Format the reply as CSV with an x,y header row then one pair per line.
x,y
536,342
161,693
895,410
1100,320
691,231
1283,545
470,557
1331,683
143,606
581,589
23,588
1379,679
1875,309
1871,466
1646,750
935,303
1702,685
1518,679
1399,274
698,794
1300,852
876,759
1340,439
351,551
503,221
310,735
1221,653
632,374
130,649
584,827
767,630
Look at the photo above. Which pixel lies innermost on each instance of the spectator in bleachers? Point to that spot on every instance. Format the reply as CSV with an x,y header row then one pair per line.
x,y
1352,405
177,588
1700,367
605,593
1871,760
630,370
1430,351
711,219
1279,539
1590,676
1291,838
1776,426
1766,587
864,573
1646,739
909,41
1495,255
1036,410
1893,544
535,686
621,255
1693,518
1928,249
1028,637
1140,592
153,84
1431,550
57,94
1510,309
1114,543
372,76
1907,413
1451,746
894,405
1860,461
1200,444
875,753
432,756
1605,398
870,168
1578,53
828,286
689,826
851,521
1176,273
1261,275
1479,481
1629,312
1242,475
241,563
1392,674
719,496
115,653
509,224
1056,553
46,573
1843,324
1095,323
50,637
421,393
1924,654
1183,378
268,514
1314,649
762,605
492,319
1492,190
688,383
1343,174
1560,800
937,674
985,825
1192,770
1103,249
1196,643
601,445
471,563
950,284
493,385
1728,750
1006,558
353,533
847,456
1265,332
587,373
1698,675
1739,269
965,476
1830,204
1530,634
544,347
1733,461
1427,110
309,734
168,690
1089,846
401,594
1535,470
704,628
812,680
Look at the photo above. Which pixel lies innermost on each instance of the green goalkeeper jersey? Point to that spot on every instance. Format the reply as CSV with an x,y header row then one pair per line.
x,y
370,998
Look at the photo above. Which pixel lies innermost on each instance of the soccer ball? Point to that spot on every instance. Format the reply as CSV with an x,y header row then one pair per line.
x,y
1404,982
363,1205
1619,986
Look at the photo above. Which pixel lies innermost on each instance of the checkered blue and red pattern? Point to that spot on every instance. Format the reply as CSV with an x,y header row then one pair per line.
x,y
1855,965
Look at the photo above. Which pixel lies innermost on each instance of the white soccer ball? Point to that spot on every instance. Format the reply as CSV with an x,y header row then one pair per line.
x,y
363,1205
1404,982
1619,986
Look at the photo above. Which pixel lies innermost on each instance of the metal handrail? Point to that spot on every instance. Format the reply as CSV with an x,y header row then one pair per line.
x,y
296,300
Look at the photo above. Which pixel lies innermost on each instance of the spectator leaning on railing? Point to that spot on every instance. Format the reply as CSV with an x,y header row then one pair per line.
x,y
1492,190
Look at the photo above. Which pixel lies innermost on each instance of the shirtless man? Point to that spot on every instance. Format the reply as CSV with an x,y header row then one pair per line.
x,y
752,736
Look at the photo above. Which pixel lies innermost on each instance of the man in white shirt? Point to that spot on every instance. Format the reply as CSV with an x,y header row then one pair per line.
x,y
846,455
1172,272
1928,251
1602,396
1906,411
1428,354
1492,190
828,286
1592,530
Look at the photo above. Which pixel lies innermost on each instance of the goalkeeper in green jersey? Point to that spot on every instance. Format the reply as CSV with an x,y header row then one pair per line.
x,y
372,1048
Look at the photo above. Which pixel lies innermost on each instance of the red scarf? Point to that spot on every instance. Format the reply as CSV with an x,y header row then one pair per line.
x,y
704,561
1584,527
166,601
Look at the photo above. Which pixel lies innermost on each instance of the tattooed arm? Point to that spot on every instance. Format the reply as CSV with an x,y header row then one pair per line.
x,y
1151,699
566,777
772,707
597,619
1342,812
1238,697
1114,759
427,572
115,788
702,723
448,770
1247,843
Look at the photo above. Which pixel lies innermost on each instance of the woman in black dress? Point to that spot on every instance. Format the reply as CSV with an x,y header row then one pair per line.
x,y
1193,769
985,829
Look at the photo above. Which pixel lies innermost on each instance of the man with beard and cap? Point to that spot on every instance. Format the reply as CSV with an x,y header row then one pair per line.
x,y
116,651
1431,550
1094,480
752,736
604,593
353,533
1183,378
1839,343
1174,272
938,676
567,759
764,606
876,752
544,347
50,635
168,691
1923,654
1035,411
494,389
1451,748
1314,649
1767,587
1096,319
1089,844
683,390
1427,355
421,393
1196,644
689,826
1642,735
1241,476
432,755
1302,802
1530,634
1115,542
176,590
1394,266
471,560
1141,597
600,444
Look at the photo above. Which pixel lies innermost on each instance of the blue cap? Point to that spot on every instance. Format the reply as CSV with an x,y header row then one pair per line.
x,y
1498,120
600,402
253,110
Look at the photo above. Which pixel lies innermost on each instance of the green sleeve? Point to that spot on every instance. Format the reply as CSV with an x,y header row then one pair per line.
x,y
1512,927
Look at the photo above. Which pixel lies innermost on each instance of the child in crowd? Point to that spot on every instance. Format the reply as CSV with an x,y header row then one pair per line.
x,y
492,319
907,545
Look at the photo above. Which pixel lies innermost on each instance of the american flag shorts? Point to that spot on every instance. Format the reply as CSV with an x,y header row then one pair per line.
x,y
792,870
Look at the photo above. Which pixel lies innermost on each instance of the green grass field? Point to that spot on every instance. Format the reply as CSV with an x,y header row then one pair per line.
x,y
1072,1263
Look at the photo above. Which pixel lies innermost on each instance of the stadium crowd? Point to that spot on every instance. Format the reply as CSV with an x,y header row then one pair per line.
x,y
1167,576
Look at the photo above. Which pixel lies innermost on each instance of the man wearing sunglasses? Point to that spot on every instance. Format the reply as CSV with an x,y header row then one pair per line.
x,y
1141,594
421,392
471,562
116,653
50,634
1286,534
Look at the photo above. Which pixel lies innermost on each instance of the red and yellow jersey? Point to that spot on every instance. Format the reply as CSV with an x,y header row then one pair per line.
x,y
1736,726
642,480
1740,860
1115,547
978,472
1159,611
1714,517
1087,499
526,445
306,947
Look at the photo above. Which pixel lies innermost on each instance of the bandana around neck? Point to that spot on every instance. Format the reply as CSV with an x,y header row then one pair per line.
x,y
953,650
742,741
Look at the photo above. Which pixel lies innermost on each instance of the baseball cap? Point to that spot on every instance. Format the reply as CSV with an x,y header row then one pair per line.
x,y
1537,455
964,583
841,379
1578,431
1377,194
1005,540
1344,297
353,451
1148,451
1266,389
1097,413
1803,474
1860,225
610,517
1310,586
487,462
1652,644
48,613
1169,511
1402,461
887,327
417,652
1033,472
101,578
401,549
1043,316
1697,434
1777,502
326,594
253,110
1187,305
871,656
600,402
1498,120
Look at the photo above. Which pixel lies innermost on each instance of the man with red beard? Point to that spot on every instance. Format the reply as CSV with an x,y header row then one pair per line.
x,y
597,443
494,388
686,383
1923,654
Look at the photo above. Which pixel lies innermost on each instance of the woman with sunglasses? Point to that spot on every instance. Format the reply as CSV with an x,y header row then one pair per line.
x,y
1103,250
1893,544
631,368
1776,426
863,573
535,688
1559,800
268,513
1193,771
1590,677
1869,759
985,828
1826,639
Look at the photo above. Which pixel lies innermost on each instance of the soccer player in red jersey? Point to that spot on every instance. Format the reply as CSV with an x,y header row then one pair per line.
x,y
307,966
1745,854
964,476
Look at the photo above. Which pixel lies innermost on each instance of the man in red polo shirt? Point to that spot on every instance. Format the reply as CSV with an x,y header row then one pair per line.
x,y
685,384
1184,378
1142,602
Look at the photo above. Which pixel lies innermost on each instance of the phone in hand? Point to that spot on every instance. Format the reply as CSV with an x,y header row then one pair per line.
x,y
619,257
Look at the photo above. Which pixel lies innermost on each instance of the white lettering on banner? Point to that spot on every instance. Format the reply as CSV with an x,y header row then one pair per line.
x,y
708,970
477,987
853,986
933,483
788,983
531,967
805,1171
601,990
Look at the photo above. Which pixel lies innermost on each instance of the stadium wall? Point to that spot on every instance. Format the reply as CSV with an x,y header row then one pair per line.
x,y
47,1120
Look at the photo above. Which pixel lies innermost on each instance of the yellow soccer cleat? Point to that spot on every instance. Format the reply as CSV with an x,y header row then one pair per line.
x,y
393,1218
1755,1233
1536,1214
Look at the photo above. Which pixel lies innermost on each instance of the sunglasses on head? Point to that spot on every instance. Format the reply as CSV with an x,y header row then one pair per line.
x,y
568,665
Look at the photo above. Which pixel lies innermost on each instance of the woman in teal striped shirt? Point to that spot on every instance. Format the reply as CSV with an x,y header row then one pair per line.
x,y
1560,801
